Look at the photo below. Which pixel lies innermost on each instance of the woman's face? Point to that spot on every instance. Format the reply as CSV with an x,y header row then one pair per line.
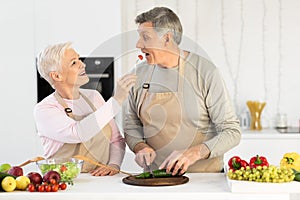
x,y
73,69
150,43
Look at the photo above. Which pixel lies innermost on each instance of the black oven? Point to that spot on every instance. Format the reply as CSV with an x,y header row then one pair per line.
x,y
100,71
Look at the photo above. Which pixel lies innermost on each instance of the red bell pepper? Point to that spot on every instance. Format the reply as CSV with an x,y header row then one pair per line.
x,y
258,161
236,163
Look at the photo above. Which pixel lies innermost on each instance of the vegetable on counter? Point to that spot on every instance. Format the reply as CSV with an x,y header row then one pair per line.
x,y
160,173
258,161
291,160
236,163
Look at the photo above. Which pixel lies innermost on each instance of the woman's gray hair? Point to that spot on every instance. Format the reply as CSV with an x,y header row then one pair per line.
x,y
50,58
163,20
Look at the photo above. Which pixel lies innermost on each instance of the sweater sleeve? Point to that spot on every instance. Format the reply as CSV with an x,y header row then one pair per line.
x,y
222,115
52,122
133,128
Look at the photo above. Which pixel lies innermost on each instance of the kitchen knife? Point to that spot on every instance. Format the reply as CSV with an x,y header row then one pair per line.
x,y
147,166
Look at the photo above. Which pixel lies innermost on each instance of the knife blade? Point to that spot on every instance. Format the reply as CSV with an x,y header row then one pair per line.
x,y
147,166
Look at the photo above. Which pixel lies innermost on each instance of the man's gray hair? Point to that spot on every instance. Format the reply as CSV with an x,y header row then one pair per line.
x,y
50,58
163,20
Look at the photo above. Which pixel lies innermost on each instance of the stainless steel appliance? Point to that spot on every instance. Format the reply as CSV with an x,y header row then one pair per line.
x,y
100,71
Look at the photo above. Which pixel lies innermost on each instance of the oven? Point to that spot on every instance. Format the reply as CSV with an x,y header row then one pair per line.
x,y
100,71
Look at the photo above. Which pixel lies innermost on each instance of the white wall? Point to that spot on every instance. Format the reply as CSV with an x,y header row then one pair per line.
x,y
28,26
258,40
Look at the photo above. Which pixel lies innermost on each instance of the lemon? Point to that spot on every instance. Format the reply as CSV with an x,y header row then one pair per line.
x,y
22,182
9,184
5,167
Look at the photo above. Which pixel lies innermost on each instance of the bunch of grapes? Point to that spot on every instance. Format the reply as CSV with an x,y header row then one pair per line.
x,y
270,174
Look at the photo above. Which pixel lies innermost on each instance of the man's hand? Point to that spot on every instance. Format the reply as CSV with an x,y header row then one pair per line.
x,y
179,161
143,153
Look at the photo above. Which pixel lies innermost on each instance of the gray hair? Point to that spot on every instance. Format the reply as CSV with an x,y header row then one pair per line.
x,y
50,58
164,20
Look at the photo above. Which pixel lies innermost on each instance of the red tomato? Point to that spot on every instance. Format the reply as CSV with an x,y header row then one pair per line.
x,y
52,181
140,57
31,187
63,168
41,188
63,186
54,188
48,188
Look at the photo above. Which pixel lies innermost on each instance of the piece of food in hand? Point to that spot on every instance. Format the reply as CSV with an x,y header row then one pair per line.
x,y
140,57
236,163
159,173
258,161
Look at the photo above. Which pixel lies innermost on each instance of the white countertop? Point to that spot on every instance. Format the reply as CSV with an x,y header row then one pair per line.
x,y
200,186
268,133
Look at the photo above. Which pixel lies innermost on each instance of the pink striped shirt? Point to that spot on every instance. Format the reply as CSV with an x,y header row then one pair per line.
x,y
55,128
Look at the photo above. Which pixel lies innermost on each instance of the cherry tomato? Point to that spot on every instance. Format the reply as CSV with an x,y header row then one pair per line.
x,y
63,186
41,188
63,168
48,188
54,188
52,181
140,57
31,187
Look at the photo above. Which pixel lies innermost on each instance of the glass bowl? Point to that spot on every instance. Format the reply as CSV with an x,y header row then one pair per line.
x,y
68,168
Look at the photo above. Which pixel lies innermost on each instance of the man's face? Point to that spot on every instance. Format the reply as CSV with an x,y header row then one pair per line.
x,y
73,69
150,43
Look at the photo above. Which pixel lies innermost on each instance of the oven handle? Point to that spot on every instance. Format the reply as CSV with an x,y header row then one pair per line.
x,y
98,75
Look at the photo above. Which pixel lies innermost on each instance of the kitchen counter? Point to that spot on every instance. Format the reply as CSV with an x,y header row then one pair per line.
x,y
267,142
208,186
268,134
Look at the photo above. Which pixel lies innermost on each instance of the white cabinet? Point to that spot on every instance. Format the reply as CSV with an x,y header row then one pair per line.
x,y
268,143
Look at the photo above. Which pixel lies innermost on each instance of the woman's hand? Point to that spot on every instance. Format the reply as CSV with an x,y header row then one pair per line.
x,y
104,171
144,153
124,84
179,161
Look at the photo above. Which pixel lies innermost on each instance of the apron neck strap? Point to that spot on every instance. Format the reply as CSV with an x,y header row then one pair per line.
x,y
68,110
181,71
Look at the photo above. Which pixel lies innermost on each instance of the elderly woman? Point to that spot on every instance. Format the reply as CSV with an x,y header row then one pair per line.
x,y
78,121
179,116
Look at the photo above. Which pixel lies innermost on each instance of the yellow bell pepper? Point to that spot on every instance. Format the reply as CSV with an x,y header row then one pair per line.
x,y
291,160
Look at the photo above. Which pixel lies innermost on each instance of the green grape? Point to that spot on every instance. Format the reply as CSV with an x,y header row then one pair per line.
x,y
271,174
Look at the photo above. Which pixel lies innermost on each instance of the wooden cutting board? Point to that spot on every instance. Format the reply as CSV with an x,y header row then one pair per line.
x,y
167,181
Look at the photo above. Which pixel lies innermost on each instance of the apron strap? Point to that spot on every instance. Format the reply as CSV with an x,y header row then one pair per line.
x,y
181,72
146,87
60,100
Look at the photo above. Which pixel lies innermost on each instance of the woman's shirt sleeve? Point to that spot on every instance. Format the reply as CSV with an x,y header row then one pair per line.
x,y
52,121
